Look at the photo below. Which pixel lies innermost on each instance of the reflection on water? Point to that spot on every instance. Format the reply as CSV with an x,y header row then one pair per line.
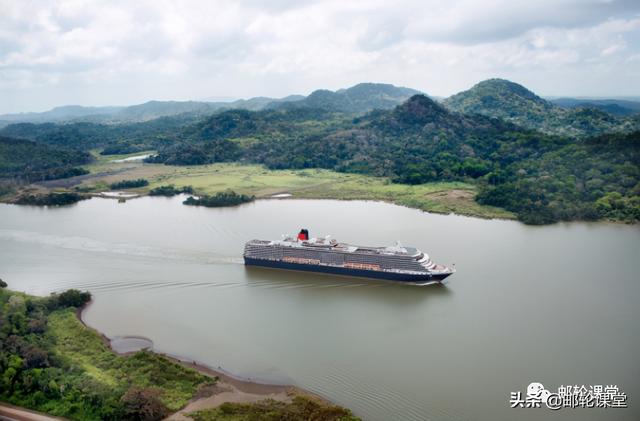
x,y
555,304
402,294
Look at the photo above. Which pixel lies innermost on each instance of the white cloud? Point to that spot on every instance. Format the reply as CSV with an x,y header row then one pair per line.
x,y
89,52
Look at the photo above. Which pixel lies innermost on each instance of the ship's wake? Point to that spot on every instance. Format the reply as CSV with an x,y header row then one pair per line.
x,y
90,245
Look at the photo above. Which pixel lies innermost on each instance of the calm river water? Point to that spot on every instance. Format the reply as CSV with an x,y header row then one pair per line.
x,y
557,304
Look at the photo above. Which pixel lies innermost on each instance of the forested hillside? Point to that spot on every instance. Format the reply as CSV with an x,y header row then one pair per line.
x,y
115,138
245,135
598,177
24,160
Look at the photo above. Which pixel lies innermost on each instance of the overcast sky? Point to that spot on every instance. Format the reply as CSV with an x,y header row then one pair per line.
x,y
123,52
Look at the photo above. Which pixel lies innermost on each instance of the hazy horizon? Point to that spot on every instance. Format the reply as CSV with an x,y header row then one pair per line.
x,y
56,53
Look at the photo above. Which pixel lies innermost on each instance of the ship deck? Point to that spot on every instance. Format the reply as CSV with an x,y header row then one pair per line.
x,y
321,244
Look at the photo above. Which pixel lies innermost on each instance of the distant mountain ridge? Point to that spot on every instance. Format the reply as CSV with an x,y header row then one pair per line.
x,y
497,98
357,99
138,113
619,107
59,113
360,98
514,103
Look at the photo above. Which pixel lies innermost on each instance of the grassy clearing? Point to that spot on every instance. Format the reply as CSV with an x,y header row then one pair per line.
x,y
84,348
452,197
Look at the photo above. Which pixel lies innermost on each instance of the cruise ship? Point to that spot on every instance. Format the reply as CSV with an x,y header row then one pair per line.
x,y
326,255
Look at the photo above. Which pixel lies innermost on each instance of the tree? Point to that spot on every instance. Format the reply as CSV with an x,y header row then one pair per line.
x,y
69,298
35,357
143,404
10,375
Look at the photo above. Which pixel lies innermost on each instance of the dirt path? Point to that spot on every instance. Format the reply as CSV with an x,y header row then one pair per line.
x,y
74,181
11,413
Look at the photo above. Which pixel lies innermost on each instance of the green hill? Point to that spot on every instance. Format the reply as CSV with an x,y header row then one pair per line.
x,y
514,103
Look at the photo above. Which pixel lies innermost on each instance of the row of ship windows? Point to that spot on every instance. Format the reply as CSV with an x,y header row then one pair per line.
x,y
338,260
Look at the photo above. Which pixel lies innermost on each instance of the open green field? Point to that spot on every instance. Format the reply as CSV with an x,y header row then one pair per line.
x,y
446,197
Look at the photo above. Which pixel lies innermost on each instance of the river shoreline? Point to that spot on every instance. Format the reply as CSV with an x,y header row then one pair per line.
x,y
228,388
11,200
